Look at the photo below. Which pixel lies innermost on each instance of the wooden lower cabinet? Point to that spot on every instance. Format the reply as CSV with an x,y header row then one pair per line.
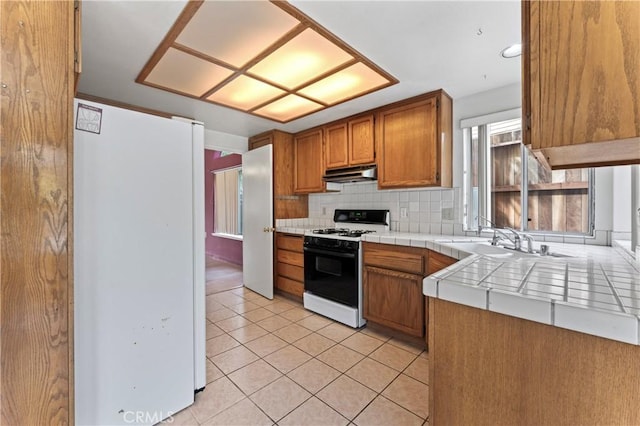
x,y
438,261
487,368
392,285
289,267
394,299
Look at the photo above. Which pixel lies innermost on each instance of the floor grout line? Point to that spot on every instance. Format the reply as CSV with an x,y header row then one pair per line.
x,y
277,300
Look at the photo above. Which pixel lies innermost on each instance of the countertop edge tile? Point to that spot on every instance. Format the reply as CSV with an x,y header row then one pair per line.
x,y
516,305
430,286
610,325
473,296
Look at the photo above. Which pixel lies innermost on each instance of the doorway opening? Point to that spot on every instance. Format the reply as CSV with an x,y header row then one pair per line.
x,y
223,220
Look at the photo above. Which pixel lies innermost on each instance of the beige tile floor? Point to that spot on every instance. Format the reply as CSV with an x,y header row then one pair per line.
x,y
273,362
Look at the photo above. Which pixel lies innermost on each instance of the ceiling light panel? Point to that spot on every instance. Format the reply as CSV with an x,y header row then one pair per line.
x,y
288,108
245,93
262,57
346,84
185,73
305,57
236,31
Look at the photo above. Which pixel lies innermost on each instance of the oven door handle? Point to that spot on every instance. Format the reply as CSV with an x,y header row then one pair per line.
x,y
330,253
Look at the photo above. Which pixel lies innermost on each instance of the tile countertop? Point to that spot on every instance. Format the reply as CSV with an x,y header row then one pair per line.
x,y
595,291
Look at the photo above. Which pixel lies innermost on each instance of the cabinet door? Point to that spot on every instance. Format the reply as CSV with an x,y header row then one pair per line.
x,y
394,299
361,144
336,146
581,85
407,146
309,164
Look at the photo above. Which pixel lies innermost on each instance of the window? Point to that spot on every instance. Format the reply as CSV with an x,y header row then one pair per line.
x,y
505,183
227,200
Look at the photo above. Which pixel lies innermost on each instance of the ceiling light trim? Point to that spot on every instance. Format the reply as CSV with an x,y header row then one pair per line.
x,y
185,16
332,37
298,29
190,10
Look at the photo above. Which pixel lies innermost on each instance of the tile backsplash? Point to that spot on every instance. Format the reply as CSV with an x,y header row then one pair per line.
x,y
436,211
430,211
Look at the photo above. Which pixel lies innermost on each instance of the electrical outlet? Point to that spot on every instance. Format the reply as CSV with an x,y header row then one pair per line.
x,y
324,211
447,213
404,212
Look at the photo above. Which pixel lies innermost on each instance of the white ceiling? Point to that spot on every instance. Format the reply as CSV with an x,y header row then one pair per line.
x,y
426,45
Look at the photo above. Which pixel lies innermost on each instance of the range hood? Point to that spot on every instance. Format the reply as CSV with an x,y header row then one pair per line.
x,y
351,174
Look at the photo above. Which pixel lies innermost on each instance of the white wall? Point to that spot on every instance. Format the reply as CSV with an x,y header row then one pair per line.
x,y
621,203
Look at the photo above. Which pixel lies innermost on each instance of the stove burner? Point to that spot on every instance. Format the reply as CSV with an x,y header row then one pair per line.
x,y
325,231
354,233
343,232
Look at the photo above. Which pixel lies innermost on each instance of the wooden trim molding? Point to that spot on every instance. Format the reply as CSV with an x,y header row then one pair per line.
x,y
124,105
36,305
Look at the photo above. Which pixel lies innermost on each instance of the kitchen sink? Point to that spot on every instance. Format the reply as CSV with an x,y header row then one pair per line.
x,y
484,248
487,249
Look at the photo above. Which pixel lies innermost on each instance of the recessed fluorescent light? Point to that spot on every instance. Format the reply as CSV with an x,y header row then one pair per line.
x,y
262,57
512,51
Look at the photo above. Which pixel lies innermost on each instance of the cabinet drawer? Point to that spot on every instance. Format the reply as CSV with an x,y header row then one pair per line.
x,y
289,242
290,271
406,259
438,261
289,286
290,257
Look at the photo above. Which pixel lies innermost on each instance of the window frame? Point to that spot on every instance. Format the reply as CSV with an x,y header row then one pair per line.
x,y
227,235
470,223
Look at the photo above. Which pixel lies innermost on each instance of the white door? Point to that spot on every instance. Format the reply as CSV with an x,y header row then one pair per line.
x,y
257,220
134,269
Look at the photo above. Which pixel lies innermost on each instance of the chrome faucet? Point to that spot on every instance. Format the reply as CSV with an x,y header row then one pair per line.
x,y
516,240
499,234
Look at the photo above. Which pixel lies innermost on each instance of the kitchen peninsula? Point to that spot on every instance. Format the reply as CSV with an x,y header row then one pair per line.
x,y
515,340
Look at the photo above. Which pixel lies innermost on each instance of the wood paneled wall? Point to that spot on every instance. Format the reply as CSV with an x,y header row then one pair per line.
x,y
36,212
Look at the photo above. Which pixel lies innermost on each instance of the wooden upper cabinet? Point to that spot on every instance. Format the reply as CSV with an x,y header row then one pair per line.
x,y
581,81
286,205
414,142
336,146
361,141
308,164
350,143
261,140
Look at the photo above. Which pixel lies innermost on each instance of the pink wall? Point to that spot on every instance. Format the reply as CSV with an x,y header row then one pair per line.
x,y
216,247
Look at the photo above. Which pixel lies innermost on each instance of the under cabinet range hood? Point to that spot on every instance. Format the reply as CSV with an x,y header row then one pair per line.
x,y
351,174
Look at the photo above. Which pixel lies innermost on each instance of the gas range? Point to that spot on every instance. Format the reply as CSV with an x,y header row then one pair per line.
x,y
333,262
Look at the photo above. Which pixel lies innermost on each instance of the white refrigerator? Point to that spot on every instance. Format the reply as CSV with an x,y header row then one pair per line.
x,y
139,265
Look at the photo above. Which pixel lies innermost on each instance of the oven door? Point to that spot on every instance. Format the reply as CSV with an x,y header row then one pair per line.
x,y
331,275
